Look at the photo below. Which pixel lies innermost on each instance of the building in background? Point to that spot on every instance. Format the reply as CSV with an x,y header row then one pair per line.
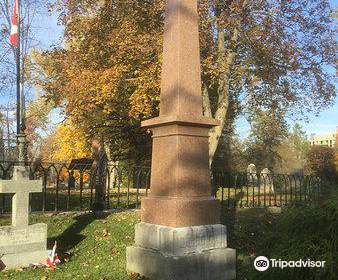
x,y
327,140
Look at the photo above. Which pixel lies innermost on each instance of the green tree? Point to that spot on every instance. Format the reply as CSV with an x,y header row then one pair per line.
x,y
256,56
320,162
268,131
292,151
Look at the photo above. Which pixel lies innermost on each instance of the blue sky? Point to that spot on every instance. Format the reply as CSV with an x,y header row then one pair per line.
x,y
328,119
326,122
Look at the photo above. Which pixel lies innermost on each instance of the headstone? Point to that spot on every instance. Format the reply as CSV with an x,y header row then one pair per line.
x,y
21,244
252,175
266,183
180,236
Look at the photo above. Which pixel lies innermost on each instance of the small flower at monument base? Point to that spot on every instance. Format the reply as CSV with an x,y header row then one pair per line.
x,y
252,233
44,277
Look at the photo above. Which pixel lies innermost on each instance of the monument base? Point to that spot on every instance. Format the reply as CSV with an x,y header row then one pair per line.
x,y
12,261
198,253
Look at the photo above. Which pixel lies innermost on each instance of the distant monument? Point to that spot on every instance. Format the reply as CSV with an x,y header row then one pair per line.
x,y
21,244
180,236
266,183
252,177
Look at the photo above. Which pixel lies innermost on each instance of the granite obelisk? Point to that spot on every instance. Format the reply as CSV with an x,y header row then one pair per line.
x,y
180,236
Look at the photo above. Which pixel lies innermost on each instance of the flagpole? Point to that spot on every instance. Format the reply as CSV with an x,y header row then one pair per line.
x,y
18,74
21,136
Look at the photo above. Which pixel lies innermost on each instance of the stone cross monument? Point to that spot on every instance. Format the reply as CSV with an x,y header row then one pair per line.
x,y
180,236
21,244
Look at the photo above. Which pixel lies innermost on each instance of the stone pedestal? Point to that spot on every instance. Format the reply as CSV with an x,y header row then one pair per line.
x,y
196,253
180,237
21,244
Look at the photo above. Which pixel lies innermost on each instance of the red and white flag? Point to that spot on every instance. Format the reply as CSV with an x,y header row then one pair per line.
x,y
14,39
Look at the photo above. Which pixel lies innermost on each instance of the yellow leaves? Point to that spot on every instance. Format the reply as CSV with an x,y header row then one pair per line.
x,y
105,232
71,143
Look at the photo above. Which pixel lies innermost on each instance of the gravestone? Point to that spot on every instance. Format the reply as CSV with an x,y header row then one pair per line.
x,y
180,236
267,181
252,177
20,243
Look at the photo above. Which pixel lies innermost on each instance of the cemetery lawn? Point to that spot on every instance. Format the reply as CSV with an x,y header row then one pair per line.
x,y
94,246
91,246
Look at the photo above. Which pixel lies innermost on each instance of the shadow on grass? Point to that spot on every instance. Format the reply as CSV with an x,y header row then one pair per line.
x,y
72,236
247,229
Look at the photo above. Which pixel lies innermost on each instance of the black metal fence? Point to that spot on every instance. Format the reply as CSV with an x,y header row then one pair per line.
x,y
264,190
78,187
8,149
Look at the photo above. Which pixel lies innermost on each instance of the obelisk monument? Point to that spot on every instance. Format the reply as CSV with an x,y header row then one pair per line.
x,y
180,235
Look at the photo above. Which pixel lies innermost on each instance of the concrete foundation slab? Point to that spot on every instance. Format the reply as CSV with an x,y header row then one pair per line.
x,y
186,253
216,264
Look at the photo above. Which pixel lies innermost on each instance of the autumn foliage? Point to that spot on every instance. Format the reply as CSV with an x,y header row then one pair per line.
x,y
321,162
255,56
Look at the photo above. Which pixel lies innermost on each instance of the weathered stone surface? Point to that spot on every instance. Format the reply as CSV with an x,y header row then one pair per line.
x,y
216,264
180,179
178,241
21,244
180,197
180,212
23,239
266,181
12,261
21,187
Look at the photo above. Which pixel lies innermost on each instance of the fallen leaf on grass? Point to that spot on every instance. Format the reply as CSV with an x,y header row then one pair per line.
x,y
129,237
19,269
114,252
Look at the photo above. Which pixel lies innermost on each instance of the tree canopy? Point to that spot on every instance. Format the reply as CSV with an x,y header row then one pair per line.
x,y
258,57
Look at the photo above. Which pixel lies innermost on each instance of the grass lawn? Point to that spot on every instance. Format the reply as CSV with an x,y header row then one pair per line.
x,y
93,247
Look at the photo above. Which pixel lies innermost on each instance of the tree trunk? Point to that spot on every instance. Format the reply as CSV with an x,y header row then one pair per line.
x,y
225,63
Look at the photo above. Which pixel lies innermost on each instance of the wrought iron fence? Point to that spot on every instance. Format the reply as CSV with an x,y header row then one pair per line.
x,y
8,149
77,187
264,190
